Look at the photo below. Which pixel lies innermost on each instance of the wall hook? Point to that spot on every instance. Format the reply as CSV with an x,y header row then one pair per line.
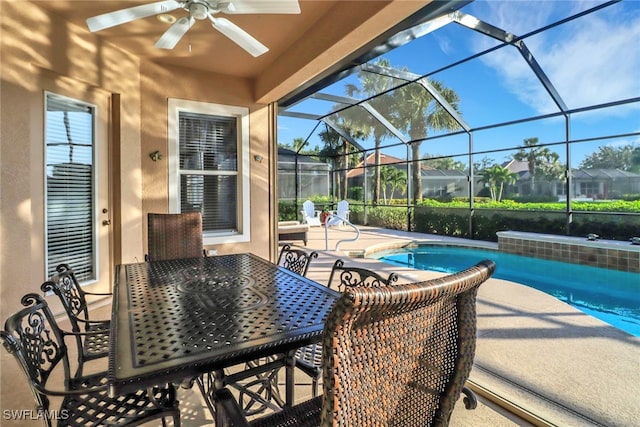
x,y
155,156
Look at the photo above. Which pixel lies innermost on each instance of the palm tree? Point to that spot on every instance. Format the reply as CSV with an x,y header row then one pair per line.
x,y
336,150
541,161
331,152
443,163
392,178
419,112
367,125
496,177
298,143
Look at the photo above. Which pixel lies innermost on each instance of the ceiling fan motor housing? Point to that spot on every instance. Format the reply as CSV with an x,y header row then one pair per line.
x,y
199,10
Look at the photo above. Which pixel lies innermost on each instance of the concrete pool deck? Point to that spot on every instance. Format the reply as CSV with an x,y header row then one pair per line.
x,y
548,359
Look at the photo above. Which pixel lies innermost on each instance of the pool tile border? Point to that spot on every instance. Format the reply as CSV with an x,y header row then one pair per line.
x,y
599,253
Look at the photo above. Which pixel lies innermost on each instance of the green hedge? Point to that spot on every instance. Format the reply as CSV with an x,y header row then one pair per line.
x,y
487,222
620,222
632,206
387,217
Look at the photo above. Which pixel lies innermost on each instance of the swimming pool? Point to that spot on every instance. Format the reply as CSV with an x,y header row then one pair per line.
x,y
610,295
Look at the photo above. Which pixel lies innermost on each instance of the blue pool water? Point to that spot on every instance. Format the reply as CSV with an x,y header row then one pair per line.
x,y
610,295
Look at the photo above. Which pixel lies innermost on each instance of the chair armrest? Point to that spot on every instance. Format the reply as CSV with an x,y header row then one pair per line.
x,y
88,323
470,400
69,391
230,408
99,294
83,334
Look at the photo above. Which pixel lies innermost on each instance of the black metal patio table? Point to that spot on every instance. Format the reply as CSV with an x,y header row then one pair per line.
x,y
180,319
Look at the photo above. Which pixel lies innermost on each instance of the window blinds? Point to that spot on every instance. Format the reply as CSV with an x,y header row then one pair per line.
x,y
69,186
209,170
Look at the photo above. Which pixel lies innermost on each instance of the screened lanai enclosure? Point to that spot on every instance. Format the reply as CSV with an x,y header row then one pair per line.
x,y
301,176
475,117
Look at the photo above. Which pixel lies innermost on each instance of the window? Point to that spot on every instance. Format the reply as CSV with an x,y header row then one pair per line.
x,y
209,167
69,187
588,189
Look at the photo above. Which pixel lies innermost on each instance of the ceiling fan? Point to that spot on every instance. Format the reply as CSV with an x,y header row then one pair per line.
x,y
199,10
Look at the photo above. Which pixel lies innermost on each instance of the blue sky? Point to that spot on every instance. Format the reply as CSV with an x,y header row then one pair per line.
x,y
592,60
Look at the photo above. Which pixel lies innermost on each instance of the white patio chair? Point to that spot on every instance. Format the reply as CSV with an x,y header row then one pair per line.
x,y
341,214
310,215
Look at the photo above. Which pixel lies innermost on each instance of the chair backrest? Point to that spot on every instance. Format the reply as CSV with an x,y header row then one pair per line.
x,y
36,341
174,236
343,208
309,209
296,260
341,214
400,355
65,285
347,277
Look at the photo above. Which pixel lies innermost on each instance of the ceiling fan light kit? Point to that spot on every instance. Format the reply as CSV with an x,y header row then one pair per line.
x,y
199,10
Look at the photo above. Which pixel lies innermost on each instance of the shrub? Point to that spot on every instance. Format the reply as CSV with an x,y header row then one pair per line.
x,y
388,217
535,199
356,193
287,211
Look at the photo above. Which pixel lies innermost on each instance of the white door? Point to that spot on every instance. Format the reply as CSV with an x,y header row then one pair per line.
x,y
77,193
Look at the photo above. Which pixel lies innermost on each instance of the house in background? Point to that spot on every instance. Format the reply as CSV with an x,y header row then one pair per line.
x,y
438,183
587,184
435,182
603,184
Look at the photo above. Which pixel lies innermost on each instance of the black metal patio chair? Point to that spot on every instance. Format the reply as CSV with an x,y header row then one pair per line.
x,y
38,345
74,301
296,260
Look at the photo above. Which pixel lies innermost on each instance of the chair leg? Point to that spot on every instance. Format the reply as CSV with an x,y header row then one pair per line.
x,y
80,365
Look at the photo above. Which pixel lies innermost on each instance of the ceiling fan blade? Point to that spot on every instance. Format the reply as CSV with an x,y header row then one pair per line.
x,y
262,6
111,19
172,36
238,36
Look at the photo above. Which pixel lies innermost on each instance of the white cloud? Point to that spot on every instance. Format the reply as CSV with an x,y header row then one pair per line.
x,y
444,44
592,60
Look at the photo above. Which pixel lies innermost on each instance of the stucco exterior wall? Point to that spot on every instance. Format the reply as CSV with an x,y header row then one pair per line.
x,y
159,83
40,52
